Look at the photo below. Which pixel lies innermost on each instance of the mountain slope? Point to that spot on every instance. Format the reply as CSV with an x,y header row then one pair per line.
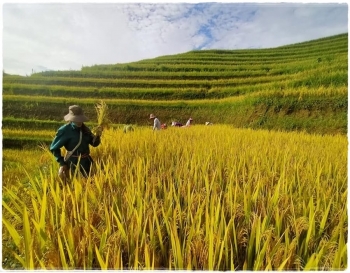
x,y
295,87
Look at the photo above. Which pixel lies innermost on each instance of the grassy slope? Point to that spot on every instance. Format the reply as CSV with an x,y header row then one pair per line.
x,y
294,87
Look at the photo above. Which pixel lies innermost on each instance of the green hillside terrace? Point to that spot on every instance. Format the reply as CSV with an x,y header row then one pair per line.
x,y
294,87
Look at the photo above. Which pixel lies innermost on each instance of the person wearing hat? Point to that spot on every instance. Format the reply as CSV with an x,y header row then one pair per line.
x,y
76,138
189,122
156,122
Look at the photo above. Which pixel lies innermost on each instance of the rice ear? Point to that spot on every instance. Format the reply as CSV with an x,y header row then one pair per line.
x,y
102,114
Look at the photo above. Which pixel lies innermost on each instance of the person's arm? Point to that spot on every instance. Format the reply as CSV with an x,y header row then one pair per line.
x,y
95,140
56,145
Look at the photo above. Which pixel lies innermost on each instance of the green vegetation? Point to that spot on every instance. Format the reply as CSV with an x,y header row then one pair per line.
x,y
235,87
295,87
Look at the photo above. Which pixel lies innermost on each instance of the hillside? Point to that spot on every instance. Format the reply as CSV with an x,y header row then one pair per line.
x,y
296,87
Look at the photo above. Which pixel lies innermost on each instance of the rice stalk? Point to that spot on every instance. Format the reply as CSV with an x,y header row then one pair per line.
x,y
224,245
103,264
28,241
20,259
311,226
176,247
13,232
103,241
69,250
135,252
15,200
159,232
261,254
41,237
311,263
117,260
324,218
121,229
35,209
11,211
282,265
71,246
90,252
147,258
62,253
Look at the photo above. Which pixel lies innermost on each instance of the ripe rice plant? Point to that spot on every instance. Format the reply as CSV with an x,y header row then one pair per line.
x,y
203,198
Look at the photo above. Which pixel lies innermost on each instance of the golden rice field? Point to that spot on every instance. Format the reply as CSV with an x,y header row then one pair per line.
x,y
205,197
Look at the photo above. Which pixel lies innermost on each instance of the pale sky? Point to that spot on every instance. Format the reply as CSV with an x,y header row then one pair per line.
x,y
48,35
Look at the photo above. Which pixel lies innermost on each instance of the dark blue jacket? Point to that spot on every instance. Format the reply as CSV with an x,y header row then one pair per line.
x,y
68,136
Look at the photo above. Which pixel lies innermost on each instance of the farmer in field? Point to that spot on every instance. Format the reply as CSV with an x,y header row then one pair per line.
x,y
76,137
176,124
188,123
156,122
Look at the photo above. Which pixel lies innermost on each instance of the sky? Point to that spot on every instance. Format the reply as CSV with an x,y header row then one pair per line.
x,y
59,35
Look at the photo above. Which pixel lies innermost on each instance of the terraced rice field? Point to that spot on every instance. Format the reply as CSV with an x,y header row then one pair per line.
x,y
284,88
264,188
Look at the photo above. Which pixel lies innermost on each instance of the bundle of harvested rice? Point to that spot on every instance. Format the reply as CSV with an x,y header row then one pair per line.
x,y
102,113
102,117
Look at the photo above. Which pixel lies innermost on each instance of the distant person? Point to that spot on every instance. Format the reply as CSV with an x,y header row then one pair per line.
x,y
208,123
156,122
176,124
76,138
188,123
164,126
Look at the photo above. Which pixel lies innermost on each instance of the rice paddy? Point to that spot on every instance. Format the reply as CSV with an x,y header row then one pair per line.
x,y
263,188
178,199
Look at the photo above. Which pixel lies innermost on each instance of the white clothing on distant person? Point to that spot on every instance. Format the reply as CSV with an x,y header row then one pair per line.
x,y
156,124
188,123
